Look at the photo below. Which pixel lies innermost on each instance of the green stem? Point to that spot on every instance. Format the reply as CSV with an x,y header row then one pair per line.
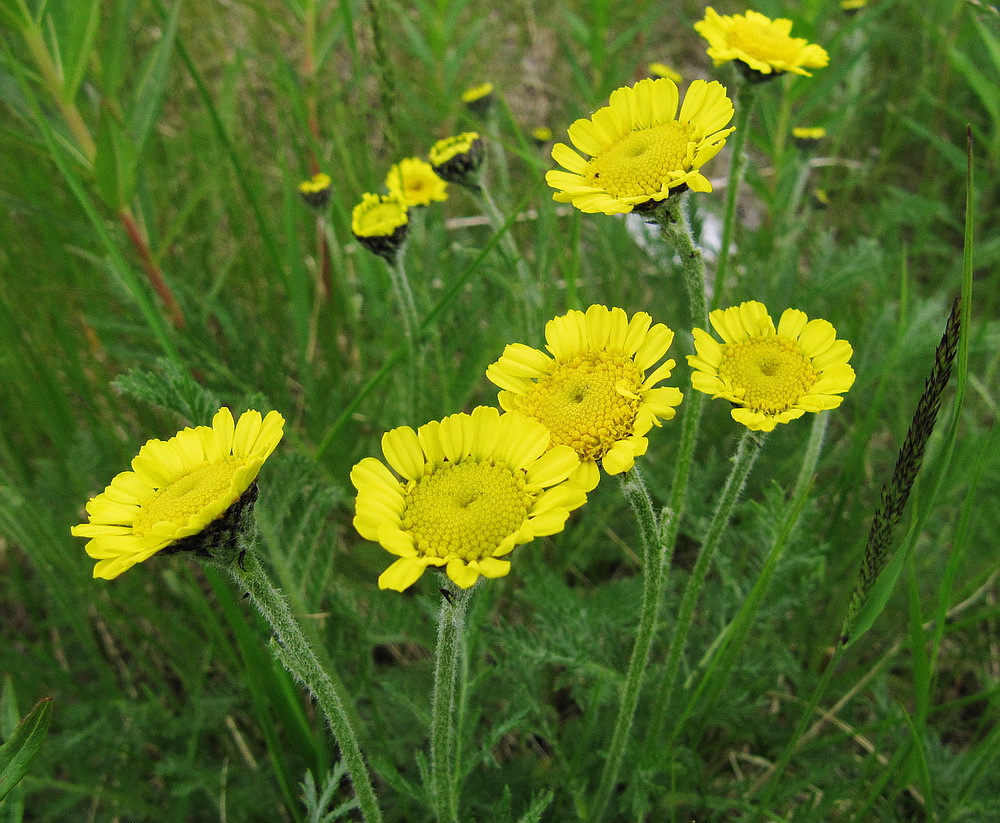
x,y
654,570
411,326
508,246
745,97
746,455
675,228
295,653
719,661
444,735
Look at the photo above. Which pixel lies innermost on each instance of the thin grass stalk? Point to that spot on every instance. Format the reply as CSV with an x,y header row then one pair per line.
x,y
745,97
444,736
295,653
743,461
654,568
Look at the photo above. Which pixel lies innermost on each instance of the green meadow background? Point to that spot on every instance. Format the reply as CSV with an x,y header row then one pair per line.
x,y
204,117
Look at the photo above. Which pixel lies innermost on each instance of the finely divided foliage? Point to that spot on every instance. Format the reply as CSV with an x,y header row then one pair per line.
x,y
411,593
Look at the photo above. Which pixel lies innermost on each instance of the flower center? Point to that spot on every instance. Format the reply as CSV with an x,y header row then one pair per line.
x,y
465,509
381,220
763,41
773,373
642,162
588,403
186,496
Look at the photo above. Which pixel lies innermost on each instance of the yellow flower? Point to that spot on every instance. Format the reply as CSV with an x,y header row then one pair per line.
x,y
808,133
177,489
852,6
316,190
541,135
380,223
663,70
772,376
416,182
762,44
593,394
640,147
473,488
457,158
478,95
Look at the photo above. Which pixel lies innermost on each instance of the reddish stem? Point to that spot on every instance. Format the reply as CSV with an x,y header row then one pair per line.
x,y
152,270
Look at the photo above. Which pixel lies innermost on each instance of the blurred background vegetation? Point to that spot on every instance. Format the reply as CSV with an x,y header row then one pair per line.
x,y
202,118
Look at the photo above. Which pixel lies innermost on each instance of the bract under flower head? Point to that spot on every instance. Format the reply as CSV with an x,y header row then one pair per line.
x,y
416,182
176,489
763,45
641,149
458,158
771,375
466,491
593,394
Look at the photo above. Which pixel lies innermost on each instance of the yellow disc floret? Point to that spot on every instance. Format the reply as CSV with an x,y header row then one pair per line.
x,y
762,45
771,375
589,403
178,488
462,493
641,147
593,394
465,510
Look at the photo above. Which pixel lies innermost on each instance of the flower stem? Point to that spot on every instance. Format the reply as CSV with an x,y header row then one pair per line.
x,y
294,651
746,455
529,289
444,736
654,570
745,97
411,325
675,228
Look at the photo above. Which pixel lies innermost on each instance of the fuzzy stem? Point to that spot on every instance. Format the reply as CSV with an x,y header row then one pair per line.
x,y
745,97
746,455
447,653
411,324
675,228
508,245
654,570
294,651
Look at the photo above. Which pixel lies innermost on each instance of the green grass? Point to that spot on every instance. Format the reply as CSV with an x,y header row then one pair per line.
x,y
167,702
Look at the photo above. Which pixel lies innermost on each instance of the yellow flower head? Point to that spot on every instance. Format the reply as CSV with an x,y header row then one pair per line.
x,y
457,158
763,45
466,491
316,190
380,223
593,394
641,149
809,133
850,7
473,93
177,489
541,135
416,182
772,376
478,95
663,70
